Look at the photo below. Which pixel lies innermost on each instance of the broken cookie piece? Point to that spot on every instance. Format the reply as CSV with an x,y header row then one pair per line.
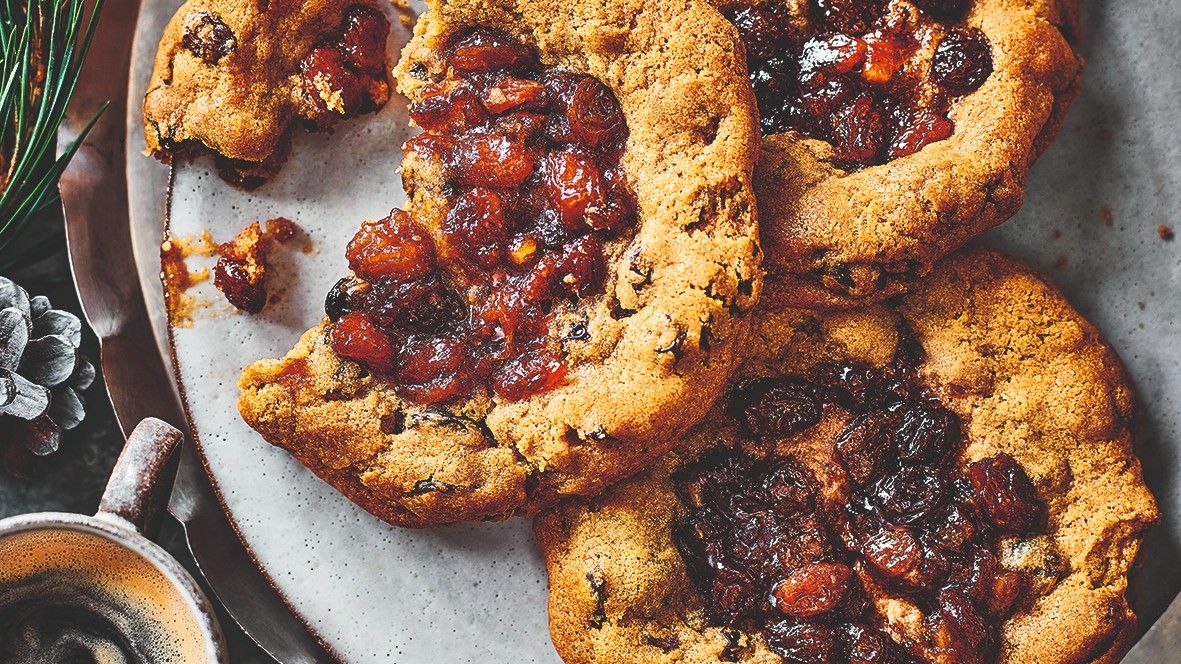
x,y
231,78
240,274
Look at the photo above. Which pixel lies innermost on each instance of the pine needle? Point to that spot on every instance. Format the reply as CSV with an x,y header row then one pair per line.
x,y
43,44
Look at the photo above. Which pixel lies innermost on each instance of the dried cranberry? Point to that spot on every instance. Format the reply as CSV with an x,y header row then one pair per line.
x,y
962,61
1006,496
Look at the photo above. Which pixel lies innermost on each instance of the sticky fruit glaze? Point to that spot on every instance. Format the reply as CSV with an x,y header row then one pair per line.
x,y
875,78
775,553
529,154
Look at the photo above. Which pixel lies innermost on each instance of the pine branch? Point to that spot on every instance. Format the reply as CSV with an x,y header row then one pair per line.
x,y
43,45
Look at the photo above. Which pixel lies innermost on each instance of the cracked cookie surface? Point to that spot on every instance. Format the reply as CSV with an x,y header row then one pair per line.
x,y
233,77
1027,378
895,131
651,351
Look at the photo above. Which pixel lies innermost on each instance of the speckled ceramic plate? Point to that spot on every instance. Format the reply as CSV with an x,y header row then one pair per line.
x,y
374,593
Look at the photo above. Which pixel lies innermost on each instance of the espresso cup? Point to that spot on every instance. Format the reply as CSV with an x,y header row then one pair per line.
x,y
77,588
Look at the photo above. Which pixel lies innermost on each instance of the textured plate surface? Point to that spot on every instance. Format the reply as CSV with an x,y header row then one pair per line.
x,y
477,593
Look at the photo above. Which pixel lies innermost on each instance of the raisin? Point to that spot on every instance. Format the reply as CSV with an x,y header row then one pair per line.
x,y
573,183
926,433
534,370
342,298
773,551
355,337
865,444
846,15
448,105
790,486
774,407
391,248
241,285
594,115
803,642
363,39
848,74
812,590
962,61
483,50
948,11
909,494
476,227
1006,496
208,37
858,130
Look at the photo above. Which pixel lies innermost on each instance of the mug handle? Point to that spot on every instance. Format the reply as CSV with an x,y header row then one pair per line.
x,y
142,480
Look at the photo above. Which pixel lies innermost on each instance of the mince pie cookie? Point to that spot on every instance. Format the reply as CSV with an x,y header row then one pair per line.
x,y
948,478
231,77
564,293
895,131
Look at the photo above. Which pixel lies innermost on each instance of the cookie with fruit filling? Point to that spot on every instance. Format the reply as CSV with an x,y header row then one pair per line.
x,y
232,77
563,295
949,478
895,131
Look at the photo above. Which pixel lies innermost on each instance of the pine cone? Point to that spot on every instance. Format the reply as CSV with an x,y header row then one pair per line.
x,y
41,375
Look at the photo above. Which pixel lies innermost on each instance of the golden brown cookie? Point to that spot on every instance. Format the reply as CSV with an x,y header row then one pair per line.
x,y
895,131
564,293
949,478
231,77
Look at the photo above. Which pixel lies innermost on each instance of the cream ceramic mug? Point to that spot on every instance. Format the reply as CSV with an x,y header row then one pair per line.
x,y
88,589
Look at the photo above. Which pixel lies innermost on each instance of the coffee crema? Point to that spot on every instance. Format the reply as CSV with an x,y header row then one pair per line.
x,y
74,597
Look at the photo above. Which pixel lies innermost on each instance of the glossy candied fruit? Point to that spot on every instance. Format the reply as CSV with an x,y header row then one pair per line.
x,y
857,74
344,75
529,155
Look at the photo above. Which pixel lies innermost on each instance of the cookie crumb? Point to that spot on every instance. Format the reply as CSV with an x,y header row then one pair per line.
x,y
1056,233
1059,262
1141,305
1106,216
1165,232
